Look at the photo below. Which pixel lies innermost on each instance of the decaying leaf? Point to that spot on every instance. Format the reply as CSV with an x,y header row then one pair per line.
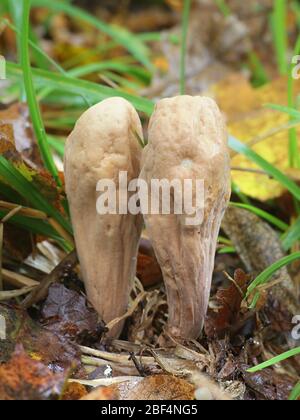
x,y
18,146
269,385
15,124
74,392
23,378
65,312
229,304
45,346
159,387
148,269
247,120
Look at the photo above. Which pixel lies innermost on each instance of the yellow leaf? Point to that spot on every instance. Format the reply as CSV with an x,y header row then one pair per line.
x,y
247,119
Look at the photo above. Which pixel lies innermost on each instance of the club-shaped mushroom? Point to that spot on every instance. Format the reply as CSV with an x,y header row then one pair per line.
x,y
187,140
104,143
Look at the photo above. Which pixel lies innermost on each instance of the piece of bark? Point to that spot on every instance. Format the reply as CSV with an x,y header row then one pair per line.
x,y
258,246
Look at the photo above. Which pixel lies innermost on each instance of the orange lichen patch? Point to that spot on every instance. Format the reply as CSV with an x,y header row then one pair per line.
x,y
23,378
74,391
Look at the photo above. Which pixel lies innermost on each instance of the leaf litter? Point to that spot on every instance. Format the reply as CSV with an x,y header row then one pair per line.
x,y
61,335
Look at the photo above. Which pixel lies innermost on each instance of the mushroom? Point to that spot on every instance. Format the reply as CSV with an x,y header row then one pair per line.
x,y
187,140
104,143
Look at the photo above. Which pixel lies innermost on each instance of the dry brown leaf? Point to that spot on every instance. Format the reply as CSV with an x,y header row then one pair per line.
x,y
229,301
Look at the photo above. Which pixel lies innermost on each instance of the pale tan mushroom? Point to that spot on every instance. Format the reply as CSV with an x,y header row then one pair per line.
x,y
103,143
187,140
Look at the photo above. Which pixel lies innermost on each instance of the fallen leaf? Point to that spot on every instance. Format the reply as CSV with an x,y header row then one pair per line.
x,y
229,304
15,120
45,346
269,385
247,120
23,378
65,312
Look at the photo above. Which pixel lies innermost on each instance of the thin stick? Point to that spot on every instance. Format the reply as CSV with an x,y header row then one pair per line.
x,y
18,280
24,211
185,26
14,293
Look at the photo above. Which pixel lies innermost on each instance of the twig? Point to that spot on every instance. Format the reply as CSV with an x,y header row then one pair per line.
x,y
24,211
250,170
113,357
18,280
14,293
105,381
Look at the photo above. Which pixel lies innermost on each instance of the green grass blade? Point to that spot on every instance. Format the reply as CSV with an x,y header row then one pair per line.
x,y
227,250
294,158
280,34
264,215
118,66
259,73
223,7
292,112
93,91
275,360
275,173
38,227
267,274
33,106
291,236
295,394
57,144
123,37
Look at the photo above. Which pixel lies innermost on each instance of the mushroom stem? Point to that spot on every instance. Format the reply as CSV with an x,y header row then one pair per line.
x,y
102,145
187,140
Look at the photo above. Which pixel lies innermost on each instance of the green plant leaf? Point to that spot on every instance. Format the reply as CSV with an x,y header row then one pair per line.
x,y
291,236
267,274
295,394
264,215
33,106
